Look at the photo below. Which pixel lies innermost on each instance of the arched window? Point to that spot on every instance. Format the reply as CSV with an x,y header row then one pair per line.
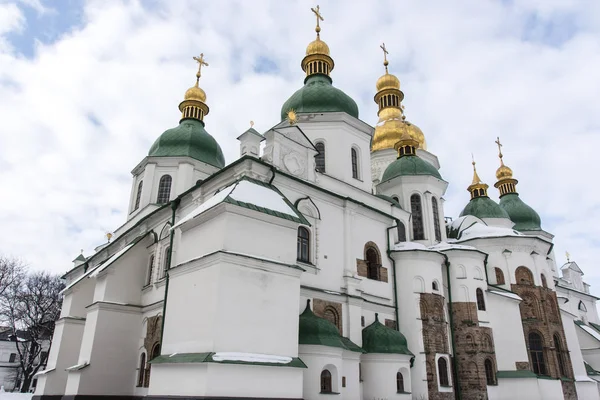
x,y
544,283
487,343
155,353
326,382
303,248
150,270
480,299
138,195
400,382
443,371
164,189
582,306
489,372
166,262
436,219
499,276
401,232
142,370
331,315
560,355
524,276
396,199
536,353
320,157
372,259
529,306
434,285
417,217
354,156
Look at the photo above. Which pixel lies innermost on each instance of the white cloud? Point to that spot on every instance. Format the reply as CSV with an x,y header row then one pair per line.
x,y
81,113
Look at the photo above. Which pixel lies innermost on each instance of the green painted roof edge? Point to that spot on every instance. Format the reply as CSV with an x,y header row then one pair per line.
x,y
595,326
590,370
193,358
350,345
520,374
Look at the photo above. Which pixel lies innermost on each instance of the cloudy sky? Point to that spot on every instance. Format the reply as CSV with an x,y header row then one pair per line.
x,y
87,86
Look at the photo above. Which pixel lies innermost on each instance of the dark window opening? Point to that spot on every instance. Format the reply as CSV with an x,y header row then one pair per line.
x,y
142,370
443,371
417,217
303,248
499,276
401,232
480,299
326,382
536,352
489,372
399,382
164,189
167,261
320,157
436,219
138,195
150,270
372,264
12,358
544,282
560,356
434,285
354,156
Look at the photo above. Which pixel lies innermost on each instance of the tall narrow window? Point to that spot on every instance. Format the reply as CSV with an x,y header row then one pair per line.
x,y
320,157
372,264
399,382
560,356
354,156
544,282
417,217
166,262
443,371
142,370
480,299
401,232
499,276
489,372
303,249
150,270
436,219
536,352
164,189
12,357
138,195
155,353
326,382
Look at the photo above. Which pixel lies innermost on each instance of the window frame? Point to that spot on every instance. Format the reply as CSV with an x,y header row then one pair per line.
x,y
499,274
490,376
164,189
436,219
320,157
480,299
443,376
150,270
326,381
536,355
165,262
138,195
401,232
400,382
303,243
562,367
373,265
355,163
12,358
142,370
416,210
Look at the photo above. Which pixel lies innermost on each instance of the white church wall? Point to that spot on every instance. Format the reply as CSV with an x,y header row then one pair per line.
x,y
550,389
169,379
516,388
317,359
351,373
76,300
379,375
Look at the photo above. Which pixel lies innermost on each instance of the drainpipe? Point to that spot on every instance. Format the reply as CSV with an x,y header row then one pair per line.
x,y
174,205
389,252
457,393
273,171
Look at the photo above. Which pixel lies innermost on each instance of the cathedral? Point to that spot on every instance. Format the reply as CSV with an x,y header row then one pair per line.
x,y
319,263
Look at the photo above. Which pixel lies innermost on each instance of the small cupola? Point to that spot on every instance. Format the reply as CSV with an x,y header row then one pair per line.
x,y
378,338
477,188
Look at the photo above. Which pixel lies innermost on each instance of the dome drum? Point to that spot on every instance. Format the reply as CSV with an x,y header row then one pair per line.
x,y
506,186
193,109
317,64
388,98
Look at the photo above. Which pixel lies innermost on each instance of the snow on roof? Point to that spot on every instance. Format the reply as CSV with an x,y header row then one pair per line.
x,y
251,357
479,230
513,296
591,331
93,272
244,191
410,246
441,246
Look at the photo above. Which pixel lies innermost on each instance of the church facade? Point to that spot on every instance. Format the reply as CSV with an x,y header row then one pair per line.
x,y
320,263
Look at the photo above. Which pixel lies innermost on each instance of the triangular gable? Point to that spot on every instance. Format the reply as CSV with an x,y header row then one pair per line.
x,y
295,134
572,266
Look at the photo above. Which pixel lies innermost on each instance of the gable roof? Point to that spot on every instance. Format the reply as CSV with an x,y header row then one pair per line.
x,y
572,266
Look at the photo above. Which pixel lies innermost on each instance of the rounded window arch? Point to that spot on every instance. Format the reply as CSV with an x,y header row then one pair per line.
x,y
326,382
499,276
332,315
166,261
490,375
142,370
560,356
303,248
416,209
536,353
399,382
373,260
138,195
443,371
435,286
150,270
436,219
396,198
401,232
529,306
155,353
320,157
355,163
524,276
480,299
582,306
164,189
544,282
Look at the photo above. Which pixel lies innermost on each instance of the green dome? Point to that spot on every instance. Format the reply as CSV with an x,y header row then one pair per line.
x,y
409,165
484,207
189,139
378,338
524,217
319,95
316,330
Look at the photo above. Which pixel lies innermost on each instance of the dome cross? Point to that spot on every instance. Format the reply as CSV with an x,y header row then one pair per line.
x,y
499,149
385,53
201,62
319,18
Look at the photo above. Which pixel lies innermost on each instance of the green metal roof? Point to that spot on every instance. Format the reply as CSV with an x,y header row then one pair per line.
x,y
409,165
319,95
389,199
189,139
518,374
378,338
484,207
524,217
590,370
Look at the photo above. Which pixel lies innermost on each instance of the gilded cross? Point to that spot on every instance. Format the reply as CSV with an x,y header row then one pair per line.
x,y
319,18
385,53
568,256
499,147
201,62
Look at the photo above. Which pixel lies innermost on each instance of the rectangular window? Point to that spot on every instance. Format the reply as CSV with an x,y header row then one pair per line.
x,y
12,358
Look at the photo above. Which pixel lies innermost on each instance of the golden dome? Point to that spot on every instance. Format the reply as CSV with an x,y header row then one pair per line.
x,y
317,46
195,93
504,172
387,81
392,127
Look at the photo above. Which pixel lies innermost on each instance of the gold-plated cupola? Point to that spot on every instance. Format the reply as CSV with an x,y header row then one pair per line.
x,y
194,102
477,188
506,183
392,122
317,59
